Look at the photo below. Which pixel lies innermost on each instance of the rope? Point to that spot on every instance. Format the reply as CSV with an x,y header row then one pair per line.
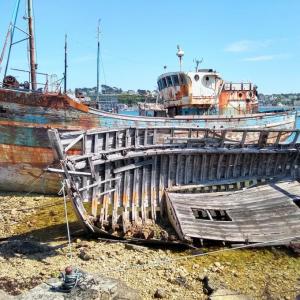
x,y
67,221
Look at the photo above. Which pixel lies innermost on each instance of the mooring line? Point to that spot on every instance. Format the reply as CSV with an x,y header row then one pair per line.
x,y
67,220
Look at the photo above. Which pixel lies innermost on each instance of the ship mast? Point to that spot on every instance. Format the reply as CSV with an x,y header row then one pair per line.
x,y
66,65
11,31
98,59
33,65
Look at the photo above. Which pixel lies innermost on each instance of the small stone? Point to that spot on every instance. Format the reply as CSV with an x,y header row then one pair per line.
x,y
164,235
135,248
160,294
147,234
84,255
181,281
43,273
213,269
182,272
109,254
209,285
77,241
201,276
172,238
217,264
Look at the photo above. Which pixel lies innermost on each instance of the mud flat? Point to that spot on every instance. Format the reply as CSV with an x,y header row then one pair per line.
x,y
33,248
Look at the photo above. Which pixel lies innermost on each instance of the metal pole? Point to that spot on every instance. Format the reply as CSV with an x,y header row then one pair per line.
x,y
66,65
33,65
12,30
98,59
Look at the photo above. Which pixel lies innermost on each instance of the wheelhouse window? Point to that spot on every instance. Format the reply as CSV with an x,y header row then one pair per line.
x,y
182,79
164,83
211,214
175,80
159,85
169,81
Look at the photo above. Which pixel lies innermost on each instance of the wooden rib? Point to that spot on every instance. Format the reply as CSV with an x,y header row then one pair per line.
x,y
135,198
170,166
203,166
177,182
125,198
143,207
153,188
219,166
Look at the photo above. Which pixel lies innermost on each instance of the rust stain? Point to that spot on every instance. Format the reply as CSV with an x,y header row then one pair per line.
x,y
49,100
35,156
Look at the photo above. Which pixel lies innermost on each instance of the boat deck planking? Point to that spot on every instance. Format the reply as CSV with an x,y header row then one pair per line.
x,y
258,214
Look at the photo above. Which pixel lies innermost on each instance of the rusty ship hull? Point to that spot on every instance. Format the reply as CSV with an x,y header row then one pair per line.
x,y
25,118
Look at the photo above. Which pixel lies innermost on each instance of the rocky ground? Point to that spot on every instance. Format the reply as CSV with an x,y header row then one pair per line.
x,y
41,251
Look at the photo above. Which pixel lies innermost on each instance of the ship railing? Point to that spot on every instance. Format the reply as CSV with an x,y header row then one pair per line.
x,y
120,141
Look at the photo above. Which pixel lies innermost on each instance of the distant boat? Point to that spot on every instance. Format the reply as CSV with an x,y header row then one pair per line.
x,y
27,112
204,92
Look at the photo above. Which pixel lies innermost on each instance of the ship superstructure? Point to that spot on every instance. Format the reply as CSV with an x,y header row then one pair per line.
x,y
203,91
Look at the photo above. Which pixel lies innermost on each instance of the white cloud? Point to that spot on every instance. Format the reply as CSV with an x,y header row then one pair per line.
x,y
247,45
266,57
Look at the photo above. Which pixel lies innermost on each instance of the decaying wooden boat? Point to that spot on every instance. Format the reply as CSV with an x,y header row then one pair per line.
x,y
126,175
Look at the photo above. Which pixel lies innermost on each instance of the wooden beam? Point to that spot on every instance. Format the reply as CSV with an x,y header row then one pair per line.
x,y
73,143
133,166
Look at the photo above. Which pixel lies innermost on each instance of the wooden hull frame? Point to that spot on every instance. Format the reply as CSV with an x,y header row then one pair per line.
x,y
124,173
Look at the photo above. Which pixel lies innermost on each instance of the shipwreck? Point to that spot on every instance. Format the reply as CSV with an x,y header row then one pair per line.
x,y
237,186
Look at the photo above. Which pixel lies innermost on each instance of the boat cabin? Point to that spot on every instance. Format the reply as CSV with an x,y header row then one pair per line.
x,y
204,92
191,92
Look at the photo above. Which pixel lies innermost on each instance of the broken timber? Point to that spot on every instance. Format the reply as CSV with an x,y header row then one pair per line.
x,y
259,214
124,173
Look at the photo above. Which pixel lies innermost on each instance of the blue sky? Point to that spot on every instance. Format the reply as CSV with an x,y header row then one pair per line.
x,y
257,40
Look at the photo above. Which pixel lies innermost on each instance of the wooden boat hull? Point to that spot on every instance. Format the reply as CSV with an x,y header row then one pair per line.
x,y
125,174
25,118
